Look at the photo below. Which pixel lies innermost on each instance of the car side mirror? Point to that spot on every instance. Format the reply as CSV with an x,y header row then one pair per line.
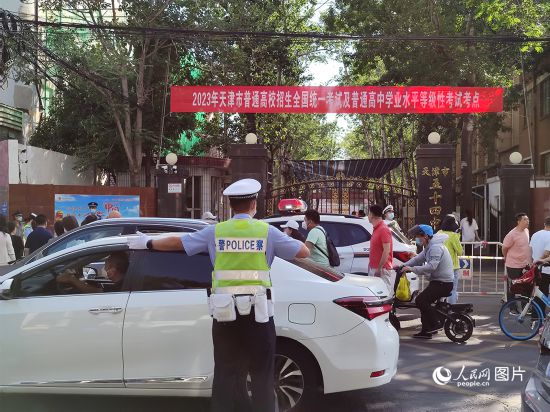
x,y
5,289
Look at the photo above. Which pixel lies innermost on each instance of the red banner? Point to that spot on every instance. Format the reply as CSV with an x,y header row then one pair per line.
x,y
335,99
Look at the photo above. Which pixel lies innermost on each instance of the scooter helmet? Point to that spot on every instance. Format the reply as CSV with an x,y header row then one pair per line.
x,y
421,230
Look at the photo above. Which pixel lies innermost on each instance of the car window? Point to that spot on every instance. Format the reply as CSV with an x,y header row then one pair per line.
x,y
162,229
342,234
346,234
172,270
82,236
324,272
73,276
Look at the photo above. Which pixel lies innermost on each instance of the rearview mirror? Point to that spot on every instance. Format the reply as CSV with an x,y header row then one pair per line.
x,y
5,289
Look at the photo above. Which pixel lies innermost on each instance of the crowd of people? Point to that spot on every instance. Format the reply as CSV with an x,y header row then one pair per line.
x,y
21,236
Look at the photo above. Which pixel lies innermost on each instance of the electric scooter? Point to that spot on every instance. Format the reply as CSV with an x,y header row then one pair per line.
x,y
456,320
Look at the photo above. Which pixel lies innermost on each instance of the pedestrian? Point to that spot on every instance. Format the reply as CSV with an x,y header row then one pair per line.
x,y
389,219
449,227
7,254
292,229
361,214
436,263
381,249
209,217
354,213
316,240
469,228
39,236
16,241
540,243
92,207
29,226
89,219
18,220
516,250
114,214
58,228
69,223
242,250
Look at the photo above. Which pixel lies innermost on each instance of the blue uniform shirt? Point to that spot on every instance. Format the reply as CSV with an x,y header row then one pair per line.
x,y
278,243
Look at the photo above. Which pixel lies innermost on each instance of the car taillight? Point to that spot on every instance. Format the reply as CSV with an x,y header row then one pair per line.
x,y
377,373
292,205
402,256
368,307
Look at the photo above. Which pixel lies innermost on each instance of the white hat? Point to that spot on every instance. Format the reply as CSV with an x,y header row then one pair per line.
x,y
291,224
208,216
387,209
243,189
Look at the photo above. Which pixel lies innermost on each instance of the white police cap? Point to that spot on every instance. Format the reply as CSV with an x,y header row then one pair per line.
x,y
243,189
387,209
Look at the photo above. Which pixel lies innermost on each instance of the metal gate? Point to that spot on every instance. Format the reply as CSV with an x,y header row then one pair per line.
x,y
342,195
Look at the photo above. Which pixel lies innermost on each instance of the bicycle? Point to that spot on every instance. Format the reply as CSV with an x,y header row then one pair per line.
x,y
522,317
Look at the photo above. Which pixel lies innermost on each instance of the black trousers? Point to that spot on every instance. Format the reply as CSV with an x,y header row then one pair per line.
x,y
511,273
241,347
434,291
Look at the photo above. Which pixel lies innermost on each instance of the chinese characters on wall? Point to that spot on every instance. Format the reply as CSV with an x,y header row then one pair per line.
x,y
436,174
335,99
436,196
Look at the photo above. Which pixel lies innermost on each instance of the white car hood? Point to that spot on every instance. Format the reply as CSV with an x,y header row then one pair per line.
x,y
376,285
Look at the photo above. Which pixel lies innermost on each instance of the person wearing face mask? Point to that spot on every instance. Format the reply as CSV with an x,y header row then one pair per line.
x,y
389,218
241,250
92,206
18,220
316,240
291,228
434,262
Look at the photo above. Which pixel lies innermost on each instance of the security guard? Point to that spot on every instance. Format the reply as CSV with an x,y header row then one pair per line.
x,y
242,250
93,210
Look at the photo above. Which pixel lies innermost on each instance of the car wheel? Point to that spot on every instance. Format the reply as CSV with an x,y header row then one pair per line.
x,y
297,378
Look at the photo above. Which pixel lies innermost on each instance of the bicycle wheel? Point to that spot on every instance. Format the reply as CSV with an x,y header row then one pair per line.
x,y
519,327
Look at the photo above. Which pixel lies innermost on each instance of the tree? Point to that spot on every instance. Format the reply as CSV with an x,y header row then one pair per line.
x,y
124,71
456,63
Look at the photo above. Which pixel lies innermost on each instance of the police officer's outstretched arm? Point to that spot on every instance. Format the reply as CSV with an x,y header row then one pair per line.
x,y
286,247
141,241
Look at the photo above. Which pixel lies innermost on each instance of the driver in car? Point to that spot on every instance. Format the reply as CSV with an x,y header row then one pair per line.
x,y
115,268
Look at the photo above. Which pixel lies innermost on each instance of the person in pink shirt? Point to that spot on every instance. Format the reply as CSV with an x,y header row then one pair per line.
x,y
516,250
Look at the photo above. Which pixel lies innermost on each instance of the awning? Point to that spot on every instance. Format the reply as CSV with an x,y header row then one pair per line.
x,y
363,168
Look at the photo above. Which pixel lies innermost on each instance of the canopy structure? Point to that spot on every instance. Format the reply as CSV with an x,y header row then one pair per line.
x,y
358,168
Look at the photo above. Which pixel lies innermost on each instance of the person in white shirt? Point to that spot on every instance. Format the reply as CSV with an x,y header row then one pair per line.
x,y
468,229
540,248
7,254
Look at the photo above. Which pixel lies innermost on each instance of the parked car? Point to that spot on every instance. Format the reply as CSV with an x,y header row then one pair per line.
x,y
153,337
109,227
351,236
536,395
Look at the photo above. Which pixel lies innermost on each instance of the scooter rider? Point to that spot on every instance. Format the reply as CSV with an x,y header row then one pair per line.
x,y
436,263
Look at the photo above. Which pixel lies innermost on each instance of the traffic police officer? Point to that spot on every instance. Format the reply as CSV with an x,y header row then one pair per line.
x,y
242,250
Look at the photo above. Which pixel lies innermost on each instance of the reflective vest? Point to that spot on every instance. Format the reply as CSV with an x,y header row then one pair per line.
x,y
241,266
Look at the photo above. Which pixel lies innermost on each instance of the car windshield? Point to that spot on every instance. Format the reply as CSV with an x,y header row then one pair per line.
x,y
400,236
325,272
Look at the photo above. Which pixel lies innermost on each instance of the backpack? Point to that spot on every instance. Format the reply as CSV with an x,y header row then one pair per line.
x,y
333,257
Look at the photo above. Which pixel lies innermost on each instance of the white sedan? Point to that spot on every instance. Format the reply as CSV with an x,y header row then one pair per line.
x,y
151,334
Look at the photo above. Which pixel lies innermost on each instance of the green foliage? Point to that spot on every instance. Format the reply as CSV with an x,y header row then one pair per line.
x,y
453,63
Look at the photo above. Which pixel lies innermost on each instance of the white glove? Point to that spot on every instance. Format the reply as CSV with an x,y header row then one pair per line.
x,y
139,241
